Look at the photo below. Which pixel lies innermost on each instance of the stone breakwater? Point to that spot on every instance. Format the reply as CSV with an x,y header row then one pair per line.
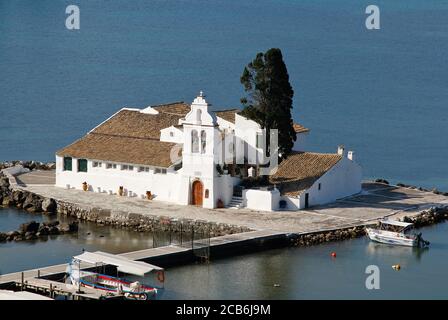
x,y
409,186
428,217
310,239
31,165
23,199
31,202
34,230
424,218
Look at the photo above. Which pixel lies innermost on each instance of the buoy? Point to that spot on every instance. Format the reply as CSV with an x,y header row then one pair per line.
x,y
333,254
396,267
276,285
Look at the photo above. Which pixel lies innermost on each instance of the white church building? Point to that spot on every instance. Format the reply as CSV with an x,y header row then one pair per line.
x,y
182,153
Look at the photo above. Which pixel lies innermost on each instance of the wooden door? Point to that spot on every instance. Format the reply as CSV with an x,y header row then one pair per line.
x,y
197,193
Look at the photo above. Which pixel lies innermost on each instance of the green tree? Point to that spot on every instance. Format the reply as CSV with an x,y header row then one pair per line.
x,y
269,94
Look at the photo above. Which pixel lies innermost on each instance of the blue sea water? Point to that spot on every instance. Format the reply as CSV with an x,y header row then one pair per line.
x,y
382,93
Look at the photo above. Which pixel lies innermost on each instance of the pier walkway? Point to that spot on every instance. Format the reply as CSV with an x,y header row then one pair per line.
x,y
167,255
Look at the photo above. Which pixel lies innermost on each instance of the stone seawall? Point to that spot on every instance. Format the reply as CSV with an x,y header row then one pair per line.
x,y
34,203
144,223
31,165
424,218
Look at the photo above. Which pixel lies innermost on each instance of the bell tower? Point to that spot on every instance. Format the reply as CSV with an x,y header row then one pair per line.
x,y
201,132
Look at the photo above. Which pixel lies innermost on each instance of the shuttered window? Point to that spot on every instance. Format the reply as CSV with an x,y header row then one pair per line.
x,y
67,164
82,165
260,140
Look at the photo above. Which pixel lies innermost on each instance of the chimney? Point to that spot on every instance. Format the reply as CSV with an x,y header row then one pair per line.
x,y
351,155
341,150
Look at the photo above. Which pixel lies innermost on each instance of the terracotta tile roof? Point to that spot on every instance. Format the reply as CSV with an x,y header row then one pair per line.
x,y
228,115
298,128
132,123
300,170
131,136
120,149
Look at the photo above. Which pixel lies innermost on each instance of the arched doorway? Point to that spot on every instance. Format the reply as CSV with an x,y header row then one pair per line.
x,y
197,193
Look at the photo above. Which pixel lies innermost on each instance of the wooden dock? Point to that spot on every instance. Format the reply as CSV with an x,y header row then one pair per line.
x,y
52,288
43,280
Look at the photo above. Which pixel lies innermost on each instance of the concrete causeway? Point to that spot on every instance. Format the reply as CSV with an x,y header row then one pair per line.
x,y
374,202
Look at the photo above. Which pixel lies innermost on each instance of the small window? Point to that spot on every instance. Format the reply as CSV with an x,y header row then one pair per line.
x,y
82,165
171,134
203,141
111,166
206,193
259,140
194,142
97,164
160,170
143,169
127,167
67,164
319,186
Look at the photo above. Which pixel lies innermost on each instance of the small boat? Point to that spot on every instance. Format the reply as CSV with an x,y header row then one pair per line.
x,y
114,286
396,233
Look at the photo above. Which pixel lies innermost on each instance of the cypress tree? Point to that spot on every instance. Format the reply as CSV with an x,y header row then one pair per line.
x,y
269,94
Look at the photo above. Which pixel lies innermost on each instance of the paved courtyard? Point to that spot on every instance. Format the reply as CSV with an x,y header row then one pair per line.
x,y
374,202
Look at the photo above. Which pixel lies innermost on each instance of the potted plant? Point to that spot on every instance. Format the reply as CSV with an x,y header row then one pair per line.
x,y
219,203
85,186
120,191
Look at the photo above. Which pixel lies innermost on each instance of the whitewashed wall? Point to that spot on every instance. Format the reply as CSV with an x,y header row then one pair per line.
x,y
225,184
172,134
264,200
246,131
343,180
163,186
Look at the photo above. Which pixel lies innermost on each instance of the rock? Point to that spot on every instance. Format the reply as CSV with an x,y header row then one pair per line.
x,y
30,236
32,203
7,201
382,181
43,230
18,196
12,233
32,226
3,236
4,182
51,223
53,230
64,228
49,205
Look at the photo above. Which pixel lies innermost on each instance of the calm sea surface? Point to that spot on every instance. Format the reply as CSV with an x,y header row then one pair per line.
x,y
381,93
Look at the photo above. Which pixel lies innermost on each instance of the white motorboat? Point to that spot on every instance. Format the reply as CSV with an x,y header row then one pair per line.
x,y
114,285
396,233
